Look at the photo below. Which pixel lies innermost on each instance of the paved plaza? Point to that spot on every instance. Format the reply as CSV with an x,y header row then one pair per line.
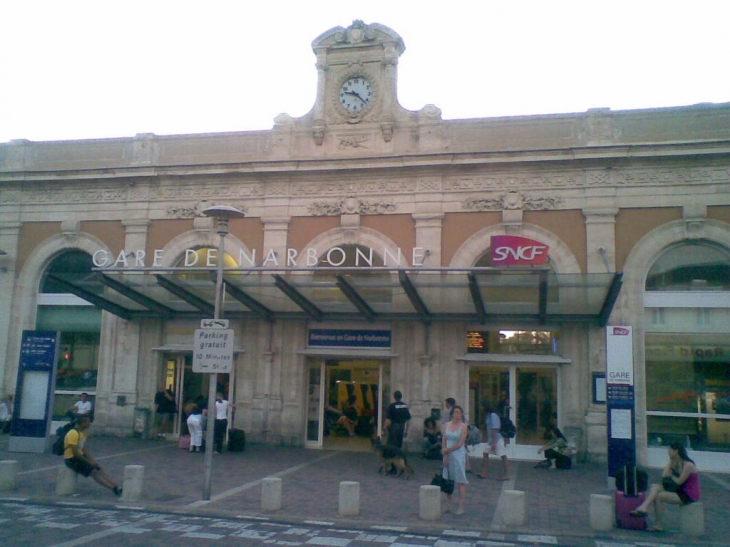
x,y
557,501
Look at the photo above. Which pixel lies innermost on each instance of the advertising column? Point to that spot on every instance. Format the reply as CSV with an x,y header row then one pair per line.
x,y
620,398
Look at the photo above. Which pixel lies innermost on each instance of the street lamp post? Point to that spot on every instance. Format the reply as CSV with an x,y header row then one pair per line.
x,y
222,213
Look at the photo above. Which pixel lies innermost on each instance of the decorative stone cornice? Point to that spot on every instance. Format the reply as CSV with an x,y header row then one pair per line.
x,y
350,205
511,201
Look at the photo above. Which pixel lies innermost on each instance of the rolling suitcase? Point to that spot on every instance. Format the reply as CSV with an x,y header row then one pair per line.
x,y
624,505
629,495
236,440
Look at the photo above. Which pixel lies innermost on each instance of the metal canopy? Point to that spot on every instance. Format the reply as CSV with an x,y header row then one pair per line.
x,y
514,297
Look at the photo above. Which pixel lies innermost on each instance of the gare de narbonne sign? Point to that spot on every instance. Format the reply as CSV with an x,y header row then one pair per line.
x,y
506,250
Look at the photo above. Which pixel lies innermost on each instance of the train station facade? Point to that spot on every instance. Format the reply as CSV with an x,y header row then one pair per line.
x,y
384,249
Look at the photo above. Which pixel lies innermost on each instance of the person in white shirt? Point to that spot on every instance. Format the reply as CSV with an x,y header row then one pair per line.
x,y
82,407
495,441
221,421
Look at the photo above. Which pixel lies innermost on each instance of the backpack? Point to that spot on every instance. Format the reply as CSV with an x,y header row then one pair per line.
x,y
58,447
508,429
473,435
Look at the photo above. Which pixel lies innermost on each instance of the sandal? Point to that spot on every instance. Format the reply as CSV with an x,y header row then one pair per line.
x,y
638,513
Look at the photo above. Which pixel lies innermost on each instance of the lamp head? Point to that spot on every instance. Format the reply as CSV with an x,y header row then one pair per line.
x,y
223,212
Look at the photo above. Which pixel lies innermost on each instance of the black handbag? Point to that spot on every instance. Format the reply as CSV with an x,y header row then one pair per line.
x,y
446,485
669,485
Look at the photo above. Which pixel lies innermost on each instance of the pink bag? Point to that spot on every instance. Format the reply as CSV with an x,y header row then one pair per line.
x,y
185,442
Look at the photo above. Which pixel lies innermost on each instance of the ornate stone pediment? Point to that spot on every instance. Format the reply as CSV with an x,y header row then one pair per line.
x,y
510,201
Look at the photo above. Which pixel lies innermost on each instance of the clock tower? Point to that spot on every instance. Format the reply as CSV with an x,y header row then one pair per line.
x,y
357,76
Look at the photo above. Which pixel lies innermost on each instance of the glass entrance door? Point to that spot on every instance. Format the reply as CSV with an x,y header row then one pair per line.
x,y
527,395
345,402
188,386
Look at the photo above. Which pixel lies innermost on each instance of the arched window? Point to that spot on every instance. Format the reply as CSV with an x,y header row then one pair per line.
x,y
202,257
687,324
70,264
689,267
79,323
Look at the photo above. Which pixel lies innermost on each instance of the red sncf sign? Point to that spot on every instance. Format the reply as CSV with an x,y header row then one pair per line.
x,y
517,251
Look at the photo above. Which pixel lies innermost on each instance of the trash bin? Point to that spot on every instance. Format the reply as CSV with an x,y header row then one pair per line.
x,y
141,423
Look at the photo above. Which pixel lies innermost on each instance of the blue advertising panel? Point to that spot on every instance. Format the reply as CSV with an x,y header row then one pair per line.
x,y
34,392
349,338
620,398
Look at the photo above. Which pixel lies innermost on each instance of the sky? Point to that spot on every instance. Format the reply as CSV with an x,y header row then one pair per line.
x,y
73,69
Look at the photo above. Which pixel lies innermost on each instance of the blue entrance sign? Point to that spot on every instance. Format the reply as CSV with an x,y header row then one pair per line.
x,y
620,398
30,428
349,338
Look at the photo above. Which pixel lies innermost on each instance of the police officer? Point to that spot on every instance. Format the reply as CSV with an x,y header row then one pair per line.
x,y
397,419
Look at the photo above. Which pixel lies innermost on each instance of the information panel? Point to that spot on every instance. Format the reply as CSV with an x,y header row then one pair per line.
x,y
620,398
29,431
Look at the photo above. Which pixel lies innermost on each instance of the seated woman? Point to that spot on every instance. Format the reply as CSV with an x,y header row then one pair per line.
x,y
557,455
680,485
431,445
349,415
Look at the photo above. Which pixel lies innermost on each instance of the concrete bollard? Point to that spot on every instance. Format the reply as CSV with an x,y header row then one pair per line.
x,y
602,512
9,470
430,502
349,498
271,494
133,482
514,513
692,518
66,481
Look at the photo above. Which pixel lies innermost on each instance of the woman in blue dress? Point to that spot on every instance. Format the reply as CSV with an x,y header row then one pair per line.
x,y
454,453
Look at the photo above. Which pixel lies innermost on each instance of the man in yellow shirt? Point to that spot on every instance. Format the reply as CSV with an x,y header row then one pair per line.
x,y
77,457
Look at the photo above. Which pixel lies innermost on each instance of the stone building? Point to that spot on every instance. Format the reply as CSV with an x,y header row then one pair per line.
x,y
384,249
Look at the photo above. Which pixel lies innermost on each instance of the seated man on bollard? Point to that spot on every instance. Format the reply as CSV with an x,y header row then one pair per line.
x,y
77,457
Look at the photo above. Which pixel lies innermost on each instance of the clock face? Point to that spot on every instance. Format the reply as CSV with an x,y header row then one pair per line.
x,y
355,94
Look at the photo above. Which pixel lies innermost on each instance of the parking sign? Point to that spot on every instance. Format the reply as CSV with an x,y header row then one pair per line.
x,y
213,350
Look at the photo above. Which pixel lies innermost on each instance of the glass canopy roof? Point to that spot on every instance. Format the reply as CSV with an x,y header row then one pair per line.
x,y
480,295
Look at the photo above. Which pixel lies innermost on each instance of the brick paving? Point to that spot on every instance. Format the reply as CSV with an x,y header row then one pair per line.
x,y
557,501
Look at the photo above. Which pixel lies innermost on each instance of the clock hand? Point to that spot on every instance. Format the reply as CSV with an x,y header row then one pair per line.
x,y
356,94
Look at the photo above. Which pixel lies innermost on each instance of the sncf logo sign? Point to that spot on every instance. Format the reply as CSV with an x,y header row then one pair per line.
x,y
517,251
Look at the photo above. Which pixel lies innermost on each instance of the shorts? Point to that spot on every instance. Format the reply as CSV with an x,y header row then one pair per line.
x,y
162,416
80,466
499,452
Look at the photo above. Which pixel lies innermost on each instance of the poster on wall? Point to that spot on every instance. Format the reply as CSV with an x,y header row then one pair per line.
x,y
620,398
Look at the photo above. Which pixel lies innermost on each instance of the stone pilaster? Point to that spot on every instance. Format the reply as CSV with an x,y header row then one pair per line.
x,y
600,239
9,234
428,237
276,231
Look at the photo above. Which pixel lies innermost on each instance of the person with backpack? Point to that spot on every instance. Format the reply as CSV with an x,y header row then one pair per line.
x,y
495,442
78,458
